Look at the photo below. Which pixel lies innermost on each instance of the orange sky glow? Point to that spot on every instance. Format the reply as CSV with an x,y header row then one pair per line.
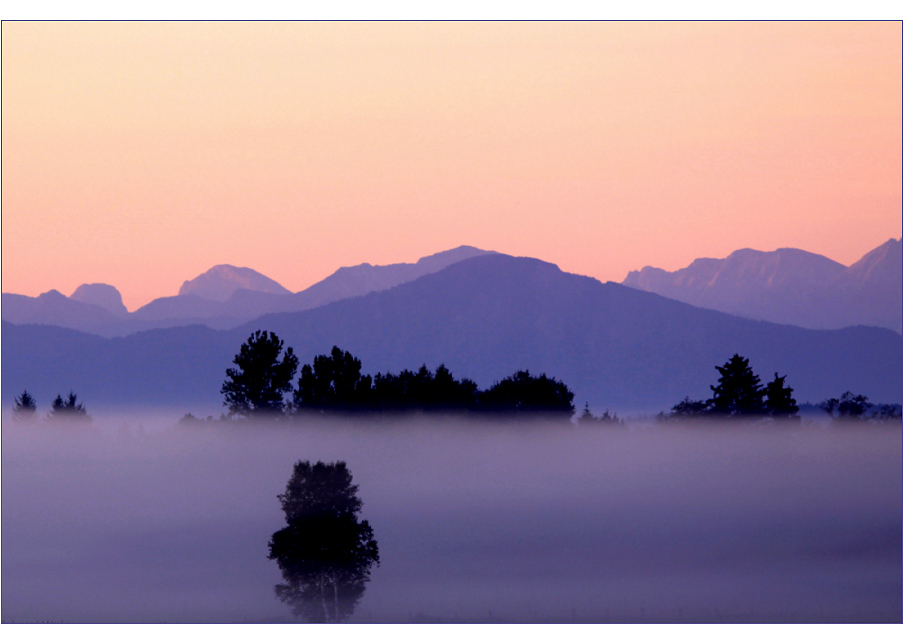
x,y
142,154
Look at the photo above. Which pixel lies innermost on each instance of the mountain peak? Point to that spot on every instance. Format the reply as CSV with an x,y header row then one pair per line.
x,y
221,281
102,295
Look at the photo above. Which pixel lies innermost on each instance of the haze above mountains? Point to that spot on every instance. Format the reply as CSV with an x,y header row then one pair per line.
x,y
485,315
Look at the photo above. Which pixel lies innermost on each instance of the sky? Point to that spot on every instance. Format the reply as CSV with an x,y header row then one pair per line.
x,y
142,154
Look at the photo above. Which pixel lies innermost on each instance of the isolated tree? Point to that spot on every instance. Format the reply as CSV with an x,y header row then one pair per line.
x,y
256,386
25,407
68,409
324,553
778,401
738,392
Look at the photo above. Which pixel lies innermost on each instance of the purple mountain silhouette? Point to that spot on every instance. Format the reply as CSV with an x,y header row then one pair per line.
x,y
221,281
789,286
221,298
102,295
485,318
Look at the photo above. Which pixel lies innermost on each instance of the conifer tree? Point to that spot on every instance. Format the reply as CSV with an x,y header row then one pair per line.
x,y
738,392
778,400
256,387
25,407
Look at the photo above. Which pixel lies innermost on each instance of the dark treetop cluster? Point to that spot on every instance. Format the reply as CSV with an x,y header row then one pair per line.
x,y
739,394
263,376
857,408
25,408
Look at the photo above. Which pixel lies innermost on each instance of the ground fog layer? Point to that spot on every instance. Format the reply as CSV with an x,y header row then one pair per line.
x,y
133,519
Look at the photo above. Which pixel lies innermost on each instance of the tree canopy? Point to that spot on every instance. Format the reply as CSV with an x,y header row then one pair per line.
x,y
334,383
523,393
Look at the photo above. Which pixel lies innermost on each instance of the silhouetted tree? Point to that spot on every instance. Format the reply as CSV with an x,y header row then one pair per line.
x,y
25,407
68,409
849,407
778,401
887,413
687,409
256,387
738,392
334,383
523,393
423,390
324,553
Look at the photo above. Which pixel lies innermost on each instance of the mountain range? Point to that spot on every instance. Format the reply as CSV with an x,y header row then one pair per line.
x,y
789,286
221,298
484,317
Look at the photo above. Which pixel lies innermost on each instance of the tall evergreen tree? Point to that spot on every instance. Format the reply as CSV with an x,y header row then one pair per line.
x,y
256,387
25,407
778,400
738,392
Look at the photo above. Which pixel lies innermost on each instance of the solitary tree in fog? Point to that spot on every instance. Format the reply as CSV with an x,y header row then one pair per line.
x,y
324,553
25,407
256,387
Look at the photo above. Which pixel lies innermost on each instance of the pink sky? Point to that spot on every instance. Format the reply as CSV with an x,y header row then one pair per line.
x,y
142,154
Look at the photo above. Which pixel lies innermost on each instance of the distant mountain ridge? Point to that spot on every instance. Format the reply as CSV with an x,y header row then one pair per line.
x,y
102,295
221,298
789,286
484,317
221,281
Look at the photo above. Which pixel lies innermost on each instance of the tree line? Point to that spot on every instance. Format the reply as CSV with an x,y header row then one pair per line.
x,y
261,386
739,395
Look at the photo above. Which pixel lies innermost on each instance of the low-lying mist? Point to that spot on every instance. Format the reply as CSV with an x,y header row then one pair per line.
x,y
139,519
